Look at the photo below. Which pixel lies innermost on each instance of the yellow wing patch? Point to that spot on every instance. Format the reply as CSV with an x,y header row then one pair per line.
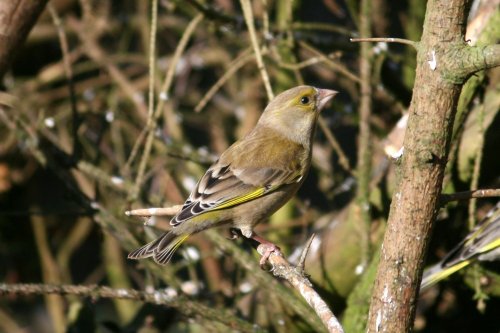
x,y
244,198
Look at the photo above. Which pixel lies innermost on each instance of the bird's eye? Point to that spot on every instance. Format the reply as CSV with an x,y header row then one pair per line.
x,y
304,100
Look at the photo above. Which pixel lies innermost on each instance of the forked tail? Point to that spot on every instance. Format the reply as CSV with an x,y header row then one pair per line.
x,y
161,249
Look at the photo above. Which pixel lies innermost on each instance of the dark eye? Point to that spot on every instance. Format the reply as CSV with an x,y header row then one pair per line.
x,y
304,100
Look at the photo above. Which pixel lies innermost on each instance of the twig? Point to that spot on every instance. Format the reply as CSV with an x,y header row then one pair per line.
x,y
295,276
247,12
233,67
467,195
364,151
161,102
167,297
386,40
148,212
343,160
63,40
333,65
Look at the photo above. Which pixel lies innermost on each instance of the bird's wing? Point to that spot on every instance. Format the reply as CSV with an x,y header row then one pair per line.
x,y
483,238
223,187
232,181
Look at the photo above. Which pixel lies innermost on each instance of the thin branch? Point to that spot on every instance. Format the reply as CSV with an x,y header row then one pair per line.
x,y
338,67
167,297
151,127
386,40
343,160
247,12
148,212
233,67
63,40
295,276
467,195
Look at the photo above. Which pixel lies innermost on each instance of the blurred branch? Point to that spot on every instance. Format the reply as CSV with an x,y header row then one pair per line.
x,y
63,41
166,297
336,66
50,273
467,195
386,40
249,19
244,58
297,278
163,97
94,51
361,208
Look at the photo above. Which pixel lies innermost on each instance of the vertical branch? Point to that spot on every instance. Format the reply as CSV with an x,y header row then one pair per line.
x,y
55,304
426,146
63,40
363,171
150,124
477,168
247,12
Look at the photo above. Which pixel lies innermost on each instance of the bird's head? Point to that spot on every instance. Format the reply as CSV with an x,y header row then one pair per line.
x,y
294,112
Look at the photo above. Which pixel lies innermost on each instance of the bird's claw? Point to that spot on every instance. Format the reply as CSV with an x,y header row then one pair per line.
x,y
267,250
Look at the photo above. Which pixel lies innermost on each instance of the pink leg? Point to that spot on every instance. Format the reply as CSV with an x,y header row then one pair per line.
x,y
269,248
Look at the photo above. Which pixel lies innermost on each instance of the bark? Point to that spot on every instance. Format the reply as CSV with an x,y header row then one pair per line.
x,y
17,17
441,59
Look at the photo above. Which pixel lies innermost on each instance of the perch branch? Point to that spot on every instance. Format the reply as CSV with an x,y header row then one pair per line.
x,y
296,277
386,40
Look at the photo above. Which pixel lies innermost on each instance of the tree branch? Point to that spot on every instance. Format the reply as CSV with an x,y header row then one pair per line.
x,y
466,195
295,276
166,297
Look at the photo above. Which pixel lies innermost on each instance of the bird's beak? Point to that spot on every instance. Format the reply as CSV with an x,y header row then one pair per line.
x,y
324,96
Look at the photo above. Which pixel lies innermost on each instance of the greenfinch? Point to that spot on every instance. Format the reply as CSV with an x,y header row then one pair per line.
x,y
481,244
253,178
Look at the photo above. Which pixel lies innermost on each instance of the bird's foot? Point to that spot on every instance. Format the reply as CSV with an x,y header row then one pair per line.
x,y
267,249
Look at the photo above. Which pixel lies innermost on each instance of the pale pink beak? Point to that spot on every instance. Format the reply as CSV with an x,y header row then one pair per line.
x,y
324,96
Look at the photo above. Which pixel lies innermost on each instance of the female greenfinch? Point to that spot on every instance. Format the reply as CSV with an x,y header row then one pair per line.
x,y
253,178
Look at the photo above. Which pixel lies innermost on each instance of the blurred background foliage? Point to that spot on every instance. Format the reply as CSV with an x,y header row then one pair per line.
x,y
69,162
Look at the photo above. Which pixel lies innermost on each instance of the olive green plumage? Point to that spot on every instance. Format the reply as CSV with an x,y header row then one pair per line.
x,y
481,244
254,177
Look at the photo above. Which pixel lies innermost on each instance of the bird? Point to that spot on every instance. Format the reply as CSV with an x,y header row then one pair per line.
x,y
481,244
253,178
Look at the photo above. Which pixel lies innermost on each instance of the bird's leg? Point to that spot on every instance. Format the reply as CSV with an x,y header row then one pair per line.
x,y
234,234
268,248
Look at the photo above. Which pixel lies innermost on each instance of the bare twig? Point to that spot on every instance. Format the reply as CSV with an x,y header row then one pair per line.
x,y
467,195
343,160
247,12
386,40
147,212
63,40
151,125
336,66
233,67
295,276
167,297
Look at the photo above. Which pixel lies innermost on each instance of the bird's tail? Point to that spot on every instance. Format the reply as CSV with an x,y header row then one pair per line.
x,y
161,249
